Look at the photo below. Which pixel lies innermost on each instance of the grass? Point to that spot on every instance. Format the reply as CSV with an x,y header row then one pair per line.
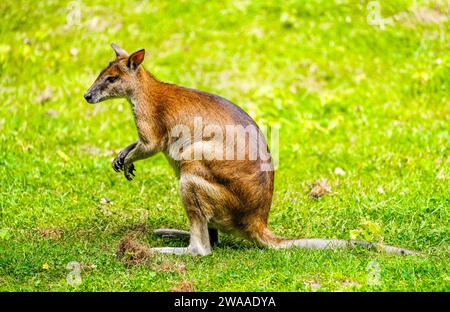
x,y
345,94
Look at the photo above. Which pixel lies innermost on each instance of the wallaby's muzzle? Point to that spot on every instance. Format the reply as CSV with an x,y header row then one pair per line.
x,y
92,95
88,97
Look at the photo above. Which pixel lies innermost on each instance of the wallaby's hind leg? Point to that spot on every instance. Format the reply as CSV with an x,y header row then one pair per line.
x,y
194,200
199,244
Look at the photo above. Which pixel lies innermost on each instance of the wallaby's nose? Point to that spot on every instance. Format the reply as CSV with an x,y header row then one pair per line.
x,y
88,96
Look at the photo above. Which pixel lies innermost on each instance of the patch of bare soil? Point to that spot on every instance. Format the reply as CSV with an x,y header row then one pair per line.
x,y
131,251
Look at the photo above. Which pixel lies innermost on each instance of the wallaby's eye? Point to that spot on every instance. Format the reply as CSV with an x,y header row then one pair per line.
x,y
111,79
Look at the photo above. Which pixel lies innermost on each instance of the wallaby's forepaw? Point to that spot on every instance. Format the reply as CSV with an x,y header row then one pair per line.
x,y
117,164
119,161
128,171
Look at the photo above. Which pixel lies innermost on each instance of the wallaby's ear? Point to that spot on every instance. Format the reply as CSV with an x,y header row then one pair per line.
x,y
136,59
119,51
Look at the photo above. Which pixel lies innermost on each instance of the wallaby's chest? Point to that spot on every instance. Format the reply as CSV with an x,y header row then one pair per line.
x,y
148,127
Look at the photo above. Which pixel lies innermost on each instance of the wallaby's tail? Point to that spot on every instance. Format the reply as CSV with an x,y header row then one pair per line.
x,y
266,238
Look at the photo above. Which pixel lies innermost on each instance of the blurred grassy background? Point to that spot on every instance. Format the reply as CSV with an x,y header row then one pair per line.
x,y
373,102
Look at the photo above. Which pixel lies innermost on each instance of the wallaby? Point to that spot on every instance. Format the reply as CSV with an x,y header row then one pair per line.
x,y
233,195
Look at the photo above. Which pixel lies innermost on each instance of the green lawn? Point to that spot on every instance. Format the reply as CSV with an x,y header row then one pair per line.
x,y
373,102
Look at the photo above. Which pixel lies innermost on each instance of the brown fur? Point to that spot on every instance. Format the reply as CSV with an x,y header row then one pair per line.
x,y
230,195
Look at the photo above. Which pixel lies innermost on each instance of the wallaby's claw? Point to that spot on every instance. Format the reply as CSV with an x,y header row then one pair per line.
x,y
117,163
128,171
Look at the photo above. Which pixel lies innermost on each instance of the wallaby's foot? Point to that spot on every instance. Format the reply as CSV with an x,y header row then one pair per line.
x,y
128,171
171,250
171,233
199,250
193,251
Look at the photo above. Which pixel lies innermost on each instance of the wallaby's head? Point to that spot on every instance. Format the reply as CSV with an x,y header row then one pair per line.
x,y
118,79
